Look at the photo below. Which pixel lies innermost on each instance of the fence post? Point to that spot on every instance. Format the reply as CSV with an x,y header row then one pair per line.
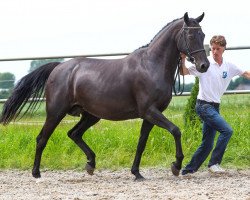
x,y
207,49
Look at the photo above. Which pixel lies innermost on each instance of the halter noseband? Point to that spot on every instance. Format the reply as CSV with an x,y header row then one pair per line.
x,y
189,53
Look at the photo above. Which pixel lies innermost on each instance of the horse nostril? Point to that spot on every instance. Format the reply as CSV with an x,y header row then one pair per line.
x,y
203,67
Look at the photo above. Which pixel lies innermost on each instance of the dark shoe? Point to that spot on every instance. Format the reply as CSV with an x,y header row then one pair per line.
x,y
185,172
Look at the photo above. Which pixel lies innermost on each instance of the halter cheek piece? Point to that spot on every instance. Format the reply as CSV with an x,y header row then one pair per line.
x,y
188,52
190,58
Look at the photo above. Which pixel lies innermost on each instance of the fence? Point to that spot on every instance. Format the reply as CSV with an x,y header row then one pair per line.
x,y
121,54
228,92
101,55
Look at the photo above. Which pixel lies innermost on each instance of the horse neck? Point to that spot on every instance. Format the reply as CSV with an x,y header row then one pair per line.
x,y
163,48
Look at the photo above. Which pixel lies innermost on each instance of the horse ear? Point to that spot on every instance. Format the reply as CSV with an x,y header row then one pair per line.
x,y
186,18
199,19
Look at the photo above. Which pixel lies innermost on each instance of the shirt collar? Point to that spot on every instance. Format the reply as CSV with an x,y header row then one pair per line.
x,y
212,61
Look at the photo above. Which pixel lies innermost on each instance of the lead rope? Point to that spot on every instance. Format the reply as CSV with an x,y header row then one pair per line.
x,y
177,77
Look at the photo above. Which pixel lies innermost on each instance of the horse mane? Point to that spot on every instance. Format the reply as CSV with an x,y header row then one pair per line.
x,y
168,24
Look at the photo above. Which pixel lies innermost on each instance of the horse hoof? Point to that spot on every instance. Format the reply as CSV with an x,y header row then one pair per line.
x,y
174,169
89,169
36,174
139,178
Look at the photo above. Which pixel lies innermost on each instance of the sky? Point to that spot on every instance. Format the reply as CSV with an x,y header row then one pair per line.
x,y
40,28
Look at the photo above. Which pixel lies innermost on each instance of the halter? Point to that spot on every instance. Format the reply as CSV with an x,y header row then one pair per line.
x,y
190,58
189,53
180,89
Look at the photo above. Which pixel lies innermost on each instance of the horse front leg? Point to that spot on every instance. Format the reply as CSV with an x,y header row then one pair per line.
x,y
154,116
145,130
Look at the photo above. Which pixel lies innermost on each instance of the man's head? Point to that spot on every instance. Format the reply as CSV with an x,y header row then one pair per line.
x,y
218,45
219,40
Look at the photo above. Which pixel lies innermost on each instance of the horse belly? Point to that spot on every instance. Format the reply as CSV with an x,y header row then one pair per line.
x,y
111,110
108,105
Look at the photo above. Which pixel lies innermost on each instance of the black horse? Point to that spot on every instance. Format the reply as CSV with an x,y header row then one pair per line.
x,y
137,86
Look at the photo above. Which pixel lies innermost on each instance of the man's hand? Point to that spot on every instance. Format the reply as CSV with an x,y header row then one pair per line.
x,y
184,70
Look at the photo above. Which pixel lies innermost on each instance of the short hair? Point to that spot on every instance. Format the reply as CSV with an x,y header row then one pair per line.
x,y
218,39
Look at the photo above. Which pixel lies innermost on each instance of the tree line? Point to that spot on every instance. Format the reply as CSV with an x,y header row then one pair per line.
x,y
232,86
7,79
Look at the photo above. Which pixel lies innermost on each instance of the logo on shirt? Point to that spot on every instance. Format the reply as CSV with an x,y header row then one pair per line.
x,y
224,74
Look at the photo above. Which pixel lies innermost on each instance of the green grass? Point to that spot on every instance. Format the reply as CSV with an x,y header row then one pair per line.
x,y
115,142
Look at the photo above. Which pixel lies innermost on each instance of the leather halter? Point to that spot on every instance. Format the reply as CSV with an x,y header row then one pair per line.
x,y
190,58
189,53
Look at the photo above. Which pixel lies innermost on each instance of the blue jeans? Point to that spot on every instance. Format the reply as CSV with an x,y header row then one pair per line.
x,y
212,122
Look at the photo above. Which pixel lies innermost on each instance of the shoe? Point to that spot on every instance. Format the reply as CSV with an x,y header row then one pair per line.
x,y
185,172
216,169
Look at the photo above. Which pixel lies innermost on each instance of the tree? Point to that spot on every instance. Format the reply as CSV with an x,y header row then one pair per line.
x,y
234,84
37,63
4,94
190,116
7,80
187,86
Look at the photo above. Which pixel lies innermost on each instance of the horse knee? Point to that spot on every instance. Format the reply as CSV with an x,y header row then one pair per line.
x,y
41,143
175,131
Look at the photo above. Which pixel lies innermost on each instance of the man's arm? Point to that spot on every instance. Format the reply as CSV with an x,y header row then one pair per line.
x,y
246,74
184,70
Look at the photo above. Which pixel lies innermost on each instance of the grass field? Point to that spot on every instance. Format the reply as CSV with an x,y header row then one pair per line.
x,y
115,142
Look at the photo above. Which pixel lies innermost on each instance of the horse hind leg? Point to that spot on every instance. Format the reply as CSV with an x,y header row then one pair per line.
x,y
87,120
49,126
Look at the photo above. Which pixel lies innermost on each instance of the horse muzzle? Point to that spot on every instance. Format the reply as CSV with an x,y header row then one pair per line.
x,y
202,67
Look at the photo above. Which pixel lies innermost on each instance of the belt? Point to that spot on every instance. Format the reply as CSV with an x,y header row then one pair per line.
x,y
210,103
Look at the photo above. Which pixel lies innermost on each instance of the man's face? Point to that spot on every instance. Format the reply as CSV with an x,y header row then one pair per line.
x,y
217,51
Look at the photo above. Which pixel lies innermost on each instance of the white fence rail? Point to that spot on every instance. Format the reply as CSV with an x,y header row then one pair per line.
x,y
118,54
228,92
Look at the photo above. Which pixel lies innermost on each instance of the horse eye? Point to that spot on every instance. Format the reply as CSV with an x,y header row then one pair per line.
x,y
191,36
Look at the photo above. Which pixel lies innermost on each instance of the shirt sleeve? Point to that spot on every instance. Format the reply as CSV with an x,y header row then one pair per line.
x,y
193,71
236,71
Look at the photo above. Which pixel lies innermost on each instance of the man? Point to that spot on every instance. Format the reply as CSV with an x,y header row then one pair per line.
x,y
212,85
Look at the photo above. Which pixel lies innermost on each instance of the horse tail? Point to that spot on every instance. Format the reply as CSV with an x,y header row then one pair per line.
x,y
31,85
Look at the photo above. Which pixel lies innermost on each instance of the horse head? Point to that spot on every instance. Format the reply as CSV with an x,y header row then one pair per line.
x,y
191,42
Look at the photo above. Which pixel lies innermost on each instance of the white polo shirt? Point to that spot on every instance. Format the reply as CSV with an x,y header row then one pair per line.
x,y
214,82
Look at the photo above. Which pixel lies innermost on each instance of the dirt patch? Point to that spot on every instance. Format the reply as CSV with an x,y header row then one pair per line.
x,y
104,184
